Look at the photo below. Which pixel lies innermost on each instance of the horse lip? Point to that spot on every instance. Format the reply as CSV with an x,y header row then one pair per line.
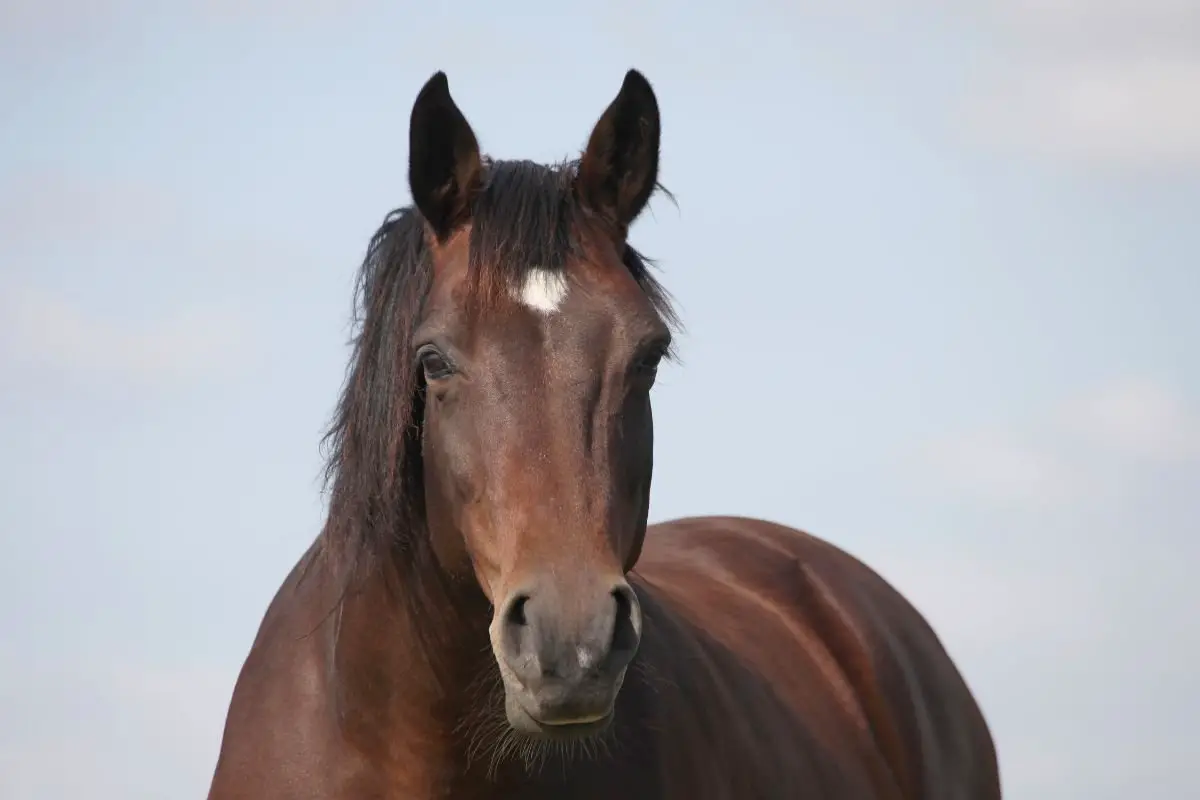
x,y
571,726
567,723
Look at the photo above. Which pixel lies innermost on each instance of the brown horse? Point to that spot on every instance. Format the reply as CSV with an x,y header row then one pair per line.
x,y
486,613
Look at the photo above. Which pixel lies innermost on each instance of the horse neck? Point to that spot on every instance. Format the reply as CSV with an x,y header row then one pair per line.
x,y
411,655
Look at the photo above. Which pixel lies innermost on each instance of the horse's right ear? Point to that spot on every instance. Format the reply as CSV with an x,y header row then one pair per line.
x,y
444,164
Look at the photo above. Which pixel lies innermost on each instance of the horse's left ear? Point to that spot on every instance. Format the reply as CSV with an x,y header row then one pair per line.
x,y
619,168
444,163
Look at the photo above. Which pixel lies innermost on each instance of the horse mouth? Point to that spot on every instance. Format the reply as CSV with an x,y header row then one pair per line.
x,y
568,728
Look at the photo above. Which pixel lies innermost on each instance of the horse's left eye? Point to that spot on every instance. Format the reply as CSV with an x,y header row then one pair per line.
x,y
435,365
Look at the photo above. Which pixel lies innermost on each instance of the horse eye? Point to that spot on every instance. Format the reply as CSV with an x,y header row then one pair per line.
x,y
435,365
647,366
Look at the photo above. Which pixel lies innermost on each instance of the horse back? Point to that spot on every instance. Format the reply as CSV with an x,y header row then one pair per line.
x,y
806,645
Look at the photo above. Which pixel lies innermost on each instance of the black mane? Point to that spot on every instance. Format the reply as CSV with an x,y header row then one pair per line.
x,y
524,216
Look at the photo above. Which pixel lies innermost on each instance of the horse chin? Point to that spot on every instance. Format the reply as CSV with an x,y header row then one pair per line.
x,y
526,724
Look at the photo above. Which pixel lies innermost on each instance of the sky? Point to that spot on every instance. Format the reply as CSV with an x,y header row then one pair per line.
x,y
938,268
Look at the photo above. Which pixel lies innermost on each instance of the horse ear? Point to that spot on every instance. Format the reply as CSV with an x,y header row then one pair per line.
x,y
444,164
619,168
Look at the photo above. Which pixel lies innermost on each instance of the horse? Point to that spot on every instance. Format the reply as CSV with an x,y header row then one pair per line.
x,y
486,612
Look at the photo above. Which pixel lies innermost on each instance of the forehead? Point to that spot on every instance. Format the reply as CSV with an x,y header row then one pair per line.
x,y
590,290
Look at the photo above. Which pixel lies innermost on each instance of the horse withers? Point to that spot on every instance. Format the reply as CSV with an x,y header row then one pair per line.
x,y
487,614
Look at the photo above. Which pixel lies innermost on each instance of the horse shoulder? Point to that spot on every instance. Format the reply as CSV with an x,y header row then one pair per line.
x,y
740,675
279,739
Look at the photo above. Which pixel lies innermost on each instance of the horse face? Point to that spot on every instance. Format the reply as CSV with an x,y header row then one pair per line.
x,y
537,432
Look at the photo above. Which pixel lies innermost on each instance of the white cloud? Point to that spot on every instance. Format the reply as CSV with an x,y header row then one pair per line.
x,y
999,467
44,330
978,602
1137,113
287,10
1102,20
1137,418
1050,607
1111,84
1093,444
23,17
133,228
42,207
91,19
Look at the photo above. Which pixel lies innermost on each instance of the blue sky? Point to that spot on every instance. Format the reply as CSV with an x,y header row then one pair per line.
x,y
938,270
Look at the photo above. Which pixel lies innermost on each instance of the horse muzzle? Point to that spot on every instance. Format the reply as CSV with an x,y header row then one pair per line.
x,y
563,656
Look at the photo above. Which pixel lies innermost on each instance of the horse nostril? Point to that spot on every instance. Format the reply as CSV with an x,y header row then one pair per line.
x,y
627,627
518,638
515,615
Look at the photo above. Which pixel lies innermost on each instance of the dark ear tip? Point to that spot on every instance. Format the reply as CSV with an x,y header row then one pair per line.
x,y
437,87
634,78
635,83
